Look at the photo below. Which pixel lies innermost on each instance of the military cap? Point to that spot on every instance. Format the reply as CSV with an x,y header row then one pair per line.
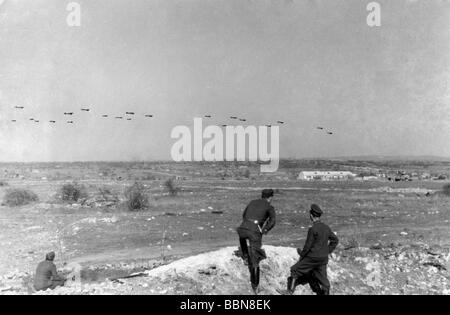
x,y
315,210
267,193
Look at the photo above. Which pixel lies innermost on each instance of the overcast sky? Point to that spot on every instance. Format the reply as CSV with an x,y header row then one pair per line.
x,y
381,90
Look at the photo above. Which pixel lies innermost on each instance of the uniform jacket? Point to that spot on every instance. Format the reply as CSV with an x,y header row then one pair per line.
x,y
45,273
321,241
258,211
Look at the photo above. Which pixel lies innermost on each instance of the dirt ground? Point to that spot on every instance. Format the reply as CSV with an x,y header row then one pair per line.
x,y
375,221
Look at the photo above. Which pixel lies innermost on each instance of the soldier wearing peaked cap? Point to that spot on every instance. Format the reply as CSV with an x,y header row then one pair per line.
x,y
258,219
312,266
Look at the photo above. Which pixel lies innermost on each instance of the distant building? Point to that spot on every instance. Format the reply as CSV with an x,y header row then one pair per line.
x,y
325,175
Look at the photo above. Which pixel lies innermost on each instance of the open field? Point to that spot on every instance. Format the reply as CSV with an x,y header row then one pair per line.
x,y
108,240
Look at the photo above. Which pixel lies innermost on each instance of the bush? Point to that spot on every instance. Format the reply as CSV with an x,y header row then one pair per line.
x,y
73,192
446,190
171,187
136,197
3,184
19,197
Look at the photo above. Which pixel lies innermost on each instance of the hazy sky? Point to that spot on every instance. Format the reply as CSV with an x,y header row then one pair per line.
x,y
382,90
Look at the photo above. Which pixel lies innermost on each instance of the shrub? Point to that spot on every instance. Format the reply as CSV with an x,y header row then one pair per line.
x,y
73,192
446,189
3,184
136,198
171,187
19,197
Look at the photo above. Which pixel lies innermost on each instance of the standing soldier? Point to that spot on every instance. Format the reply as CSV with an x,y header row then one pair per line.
x,y
258,219
312,266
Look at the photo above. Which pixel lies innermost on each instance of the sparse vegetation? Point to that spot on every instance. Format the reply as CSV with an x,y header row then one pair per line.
x,y
3,184
136,197
73,192
171,187
19,197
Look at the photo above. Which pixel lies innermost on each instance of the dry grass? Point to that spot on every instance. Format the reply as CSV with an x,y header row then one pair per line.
x,y
73,192
136,197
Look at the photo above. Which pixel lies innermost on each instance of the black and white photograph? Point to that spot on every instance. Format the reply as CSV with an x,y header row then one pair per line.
x,y
243,149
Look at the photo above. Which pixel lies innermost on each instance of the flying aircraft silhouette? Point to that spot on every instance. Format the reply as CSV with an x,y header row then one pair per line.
x,y
68,114
233,117
149,116
329,132
52,122
128,118
13,120
36,121
224,125
70,122
269,126
280,122
207,116
19,107
129,113
119,117
243,119
321,128
85,109
31,119
105,116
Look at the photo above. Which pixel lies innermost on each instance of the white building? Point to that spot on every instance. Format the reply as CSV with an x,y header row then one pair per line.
x,y
325,175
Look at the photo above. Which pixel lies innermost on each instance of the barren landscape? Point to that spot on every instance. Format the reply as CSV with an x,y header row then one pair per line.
x,y
394,236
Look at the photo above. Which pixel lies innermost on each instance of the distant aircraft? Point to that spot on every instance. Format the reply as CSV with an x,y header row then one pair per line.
x,y
69,114
85,109
52,122
233,117
129,113
148,115
329,132
105,116
280,122
243,119
19,107
119,117
207,116
269,126
36,121
321,128
70,122
14,120
31,119
128,118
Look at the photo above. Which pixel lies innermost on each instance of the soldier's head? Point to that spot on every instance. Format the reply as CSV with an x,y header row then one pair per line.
x,y
315,213
50,256
267,194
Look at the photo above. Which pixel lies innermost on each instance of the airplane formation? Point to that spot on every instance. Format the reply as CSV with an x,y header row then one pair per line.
x,y
128,117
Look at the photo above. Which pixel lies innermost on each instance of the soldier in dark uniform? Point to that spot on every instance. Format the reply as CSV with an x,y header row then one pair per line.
x,y
258,219
46,275
312,266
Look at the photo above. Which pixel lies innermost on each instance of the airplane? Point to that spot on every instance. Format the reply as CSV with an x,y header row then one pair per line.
x,y
269,126
233,117
242,119
118,117
148,115
330,133
224,125
13,120
85,109
280,122
36,121
70,114
52,121
31,119
19,107
105,116
207,116
70,122
321,128
128,118
129,113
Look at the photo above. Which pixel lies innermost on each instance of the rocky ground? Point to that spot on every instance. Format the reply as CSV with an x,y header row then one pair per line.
x,y
382,269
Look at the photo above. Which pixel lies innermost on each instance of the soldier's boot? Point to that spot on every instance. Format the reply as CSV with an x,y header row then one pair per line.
x,y
291,284
254,278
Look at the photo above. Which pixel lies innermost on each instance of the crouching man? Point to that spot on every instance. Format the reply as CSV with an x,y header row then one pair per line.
x,y
46,275
312,266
